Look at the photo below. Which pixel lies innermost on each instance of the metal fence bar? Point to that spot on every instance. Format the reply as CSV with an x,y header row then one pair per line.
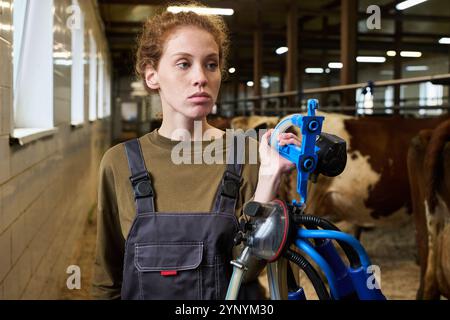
x,y
382,83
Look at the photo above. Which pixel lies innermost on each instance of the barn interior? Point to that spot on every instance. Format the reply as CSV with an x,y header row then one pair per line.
x,y
380,70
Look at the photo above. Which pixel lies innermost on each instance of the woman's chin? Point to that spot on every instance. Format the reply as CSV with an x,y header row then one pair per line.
x,y
199,112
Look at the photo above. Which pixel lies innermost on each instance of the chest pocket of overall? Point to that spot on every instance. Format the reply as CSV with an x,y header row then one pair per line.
x,y
179,269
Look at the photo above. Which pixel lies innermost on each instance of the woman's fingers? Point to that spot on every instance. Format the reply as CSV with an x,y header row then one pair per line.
x,y
286,135
288,138
284,138
290,141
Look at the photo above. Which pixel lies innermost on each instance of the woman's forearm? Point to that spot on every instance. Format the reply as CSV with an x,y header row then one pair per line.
x,y
273,165
267,187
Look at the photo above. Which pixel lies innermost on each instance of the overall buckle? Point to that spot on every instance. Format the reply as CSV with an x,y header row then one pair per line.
x,y
142,185
231,184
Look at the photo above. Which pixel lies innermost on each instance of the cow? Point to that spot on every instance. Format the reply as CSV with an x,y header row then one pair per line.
x,y
429,174
219,122
373,190
254,122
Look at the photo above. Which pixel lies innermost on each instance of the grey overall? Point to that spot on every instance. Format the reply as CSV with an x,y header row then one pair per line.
x,y
180,255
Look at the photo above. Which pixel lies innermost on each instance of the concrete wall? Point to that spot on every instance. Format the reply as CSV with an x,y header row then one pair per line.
x,y
47,187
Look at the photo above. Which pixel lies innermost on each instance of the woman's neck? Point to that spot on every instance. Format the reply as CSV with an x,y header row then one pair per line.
x,y
178,127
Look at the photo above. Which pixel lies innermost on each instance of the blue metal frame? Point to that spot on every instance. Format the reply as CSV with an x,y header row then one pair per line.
x,y
352,281
304,157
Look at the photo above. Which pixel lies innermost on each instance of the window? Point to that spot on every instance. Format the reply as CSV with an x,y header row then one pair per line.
x,y
389,99
92,77
77,97
101,93
430,95
104,89
108,91
33,82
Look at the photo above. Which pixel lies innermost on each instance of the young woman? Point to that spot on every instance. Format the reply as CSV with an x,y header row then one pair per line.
x,y
165,227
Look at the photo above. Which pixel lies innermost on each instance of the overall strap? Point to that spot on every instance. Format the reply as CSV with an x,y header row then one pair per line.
x,y
140,177
228,191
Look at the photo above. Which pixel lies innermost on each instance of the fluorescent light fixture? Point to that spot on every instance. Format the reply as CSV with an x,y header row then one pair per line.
x,y
6,27
391,53
408,4
62,62
138,93
62,55
370,59
444,40
416,68
5,5
201,10
250,83
281,50
335,65
232,70
137,85
411,54
314,70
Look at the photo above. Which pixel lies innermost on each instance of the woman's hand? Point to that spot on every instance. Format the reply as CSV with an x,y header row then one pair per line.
x,y
273,165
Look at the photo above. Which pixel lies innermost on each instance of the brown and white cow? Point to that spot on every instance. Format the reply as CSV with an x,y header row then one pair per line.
x,y
254,122
429,174
373,190
220,122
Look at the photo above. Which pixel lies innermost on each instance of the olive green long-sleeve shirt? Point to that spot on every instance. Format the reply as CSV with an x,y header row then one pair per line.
x,y
178,188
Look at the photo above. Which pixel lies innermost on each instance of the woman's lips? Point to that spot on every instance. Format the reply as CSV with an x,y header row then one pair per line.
x,y
200,98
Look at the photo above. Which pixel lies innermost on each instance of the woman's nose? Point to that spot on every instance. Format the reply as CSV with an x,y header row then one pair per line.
x,y
199,78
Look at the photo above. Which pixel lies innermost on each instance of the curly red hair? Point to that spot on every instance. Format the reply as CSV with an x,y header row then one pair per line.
x,y
157,29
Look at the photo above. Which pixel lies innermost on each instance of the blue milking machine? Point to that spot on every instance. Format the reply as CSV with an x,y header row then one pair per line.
x,y
275,228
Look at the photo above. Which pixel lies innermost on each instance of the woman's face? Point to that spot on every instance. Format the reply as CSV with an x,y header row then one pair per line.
x,y
188,75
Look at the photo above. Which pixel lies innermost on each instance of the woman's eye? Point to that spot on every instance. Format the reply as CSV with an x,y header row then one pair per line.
x,y
183,65
212,66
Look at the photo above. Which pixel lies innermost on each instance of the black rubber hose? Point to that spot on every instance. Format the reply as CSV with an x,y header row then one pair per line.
x,y
309,220
311,273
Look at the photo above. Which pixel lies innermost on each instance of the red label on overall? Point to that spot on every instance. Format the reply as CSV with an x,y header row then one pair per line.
x,y
169,273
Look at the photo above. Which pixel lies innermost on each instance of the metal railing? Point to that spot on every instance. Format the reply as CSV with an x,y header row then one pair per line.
x,y
280,103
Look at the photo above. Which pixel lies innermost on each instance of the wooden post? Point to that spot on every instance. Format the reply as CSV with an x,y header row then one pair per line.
x,y
257,67
292,54
235,95
349,11
397,60
300,67
326,78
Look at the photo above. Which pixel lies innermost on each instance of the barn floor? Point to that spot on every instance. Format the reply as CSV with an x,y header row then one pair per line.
x,y
393,250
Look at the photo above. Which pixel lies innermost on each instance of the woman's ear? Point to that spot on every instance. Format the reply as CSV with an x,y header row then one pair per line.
x,y
151,78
